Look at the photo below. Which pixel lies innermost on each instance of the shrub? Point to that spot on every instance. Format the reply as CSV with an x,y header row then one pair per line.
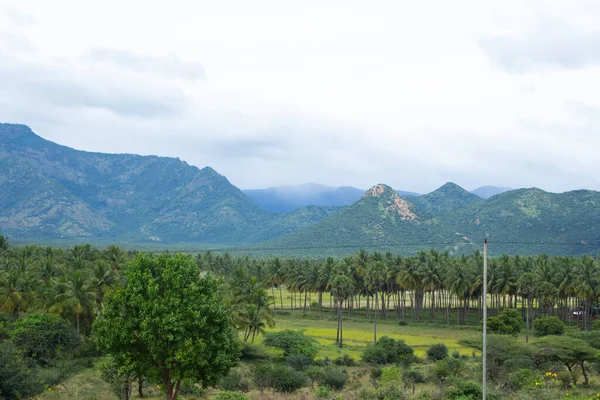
x,y
253,352
323,362
189,388
463,390
315,374
287,380
15,380
229,395
323,392
411,377
334,379
456,354
291,342
389,384
596,325
234,382
43,336
403,323
446,368
437,352
388,351
261,375
523,378
345,361
546,326
299,361
509,322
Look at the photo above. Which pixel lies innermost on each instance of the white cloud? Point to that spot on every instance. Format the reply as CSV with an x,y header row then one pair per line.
x,y
343,93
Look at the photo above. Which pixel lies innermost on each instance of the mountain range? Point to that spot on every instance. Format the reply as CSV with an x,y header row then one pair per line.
x,y
54,194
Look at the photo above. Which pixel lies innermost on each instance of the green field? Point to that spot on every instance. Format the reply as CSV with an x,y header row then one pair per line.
x,y
358,333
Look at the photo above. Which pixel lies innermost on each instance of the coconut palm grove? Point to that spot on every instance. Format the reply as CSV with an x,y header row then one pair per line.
x,y
111,323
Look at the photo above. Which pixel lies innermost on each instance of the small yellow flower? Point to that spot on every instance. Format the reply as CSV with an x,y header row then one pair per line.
x,y
537,383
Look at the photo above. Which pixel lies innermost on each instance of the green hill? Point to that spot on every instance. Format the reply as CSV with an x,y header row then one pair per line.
x,y
447,198
50,192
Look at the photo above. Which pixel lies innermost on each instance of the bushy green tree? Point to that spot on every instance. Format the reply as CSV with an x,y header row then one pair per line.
x,y
568,350
334,379
43,336
299,361
291,342
437,352
16,381
546,326
287,380
509,322
170,322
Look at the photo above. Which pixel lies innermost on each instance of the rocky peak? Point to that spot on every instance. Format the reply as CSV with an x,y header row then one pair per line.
x,y
392,203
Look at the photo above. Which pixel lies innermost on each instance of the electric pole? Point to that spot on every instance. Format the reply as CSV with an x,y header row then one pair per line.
x,y
484,348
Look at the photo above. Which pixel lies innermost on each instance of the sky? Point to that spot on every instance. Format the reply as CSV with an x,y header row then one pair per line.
x,y
343,93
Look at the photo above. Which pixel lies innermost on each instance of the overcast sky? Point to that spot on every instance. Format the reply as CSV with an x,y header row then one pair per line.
x,y
269,93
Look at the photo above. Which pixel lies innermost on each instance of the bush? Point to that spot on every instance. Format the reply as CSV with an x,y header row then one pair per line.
x,y
403,323
43,336
509,322
345,361
253,352
299,361
546,326
315,374
287,380
388,351
334,379
189,388
464,390
448,367
411,377
229,395
15,380
234,382
437,352
323,393
456,355
261,375
523,378
596,325
291,342
325,361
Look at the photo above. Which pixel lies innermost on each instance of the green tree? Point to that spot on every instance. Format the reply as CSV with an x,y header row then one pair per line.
x,y
341,288
568,350
170,322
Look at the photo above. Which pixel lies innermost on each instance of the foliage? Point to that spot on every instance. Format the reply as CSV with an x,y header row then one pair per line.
x,y
229,395
299,361
448,368
388,351
16,380
546,326
253,352
509,322
119,381
437,352
315,374
291,342
410,377
334,379
464,390
234,381
596,325
323,392
43,336
169,321
345,361
287,380
567,350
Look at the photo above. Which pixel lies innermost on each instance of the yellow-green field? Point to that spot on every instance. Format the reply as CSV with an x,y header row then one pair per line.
x,y
358,333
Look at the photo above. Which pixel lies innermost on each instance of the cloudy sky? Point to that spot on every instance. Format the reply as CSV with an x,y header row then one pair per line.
x,y
408,93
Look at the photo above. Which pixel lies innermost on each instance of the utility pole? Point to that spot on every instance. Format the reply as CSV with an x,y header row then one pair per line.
x,y
484,349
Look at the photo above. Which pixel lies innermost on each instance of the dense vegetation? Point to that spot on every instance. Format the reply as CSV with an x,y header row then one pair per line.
x,y
50,298
56,194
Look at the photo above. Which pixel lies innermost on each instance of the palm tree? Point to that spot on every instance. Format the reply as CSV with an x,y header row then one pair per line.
x,y
342,287
77,294
528,288
587,284
16,292
375,278
104,279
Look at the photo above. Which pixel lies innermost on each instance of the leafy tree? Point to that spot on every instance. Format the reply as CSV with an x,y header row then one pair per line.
x,y
569,351
170,322
509,322
546,326
43,336
299,361
287,380
411,377
334,379
291,342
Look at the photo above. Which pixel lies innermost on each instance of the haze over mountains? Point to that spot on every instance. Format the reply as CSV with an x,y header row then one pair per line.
x,y
52,193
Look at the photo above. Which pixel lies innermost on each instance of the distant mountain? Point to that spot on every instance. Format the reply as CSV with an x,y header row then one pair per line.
x,y
524,221
447,198
52,192
404,193
287,198
381,216
485,192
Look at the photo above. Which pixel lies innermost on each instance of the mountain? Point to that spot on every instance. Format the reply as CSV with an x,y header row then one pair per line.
x,y
524,221
485,192
380,217
287,198
447,198
52,192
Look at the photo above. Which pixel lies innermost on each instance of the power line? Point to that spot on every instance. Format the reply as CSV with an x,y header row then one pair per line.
x,y
386,245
